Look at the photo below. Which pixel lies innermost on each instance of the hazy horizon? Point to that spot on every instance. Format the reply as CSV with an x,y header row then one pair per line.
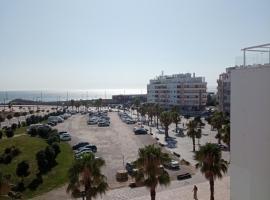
x,y
99,44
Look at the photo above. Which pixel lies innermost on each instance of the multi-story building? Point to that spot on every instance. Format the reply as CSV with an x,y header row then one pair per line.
x,y
184,90
224,90
250,133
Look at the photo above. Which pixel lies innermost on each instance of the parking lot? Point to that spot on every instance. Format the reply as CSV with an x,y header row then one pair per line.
x,y
116,143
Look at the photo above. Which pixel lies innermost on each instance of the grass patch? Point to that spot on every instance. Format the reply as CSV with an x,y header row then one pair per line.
x,y
29,146
20,131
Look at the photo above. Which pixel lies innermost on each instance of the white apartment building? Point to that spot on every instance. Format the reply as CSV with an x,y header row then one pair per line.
x,y
250,133
184,90
224,90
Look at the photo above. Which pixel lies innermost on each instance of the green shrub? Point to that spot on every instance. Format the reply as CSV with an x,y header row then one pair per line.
x,y
9,133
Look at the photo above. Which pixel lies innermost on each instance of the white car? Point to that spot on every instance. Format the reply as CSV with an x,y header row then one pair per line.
x,y
85,151
64,136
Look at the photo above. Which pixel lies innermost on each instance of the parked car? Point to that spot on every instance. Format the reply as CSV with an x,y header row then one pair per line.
x,y
183,176
131,168
91,147
130,121
83,150
173,164
79,145
65,136
92,122
79,155
222,147
140,131
52,123
103,123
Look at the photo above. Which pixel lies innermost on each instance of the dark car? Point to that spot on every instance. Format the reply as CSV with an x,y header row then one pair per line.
x,y
92,147
183,176
140,131
52,123
131,168
79,145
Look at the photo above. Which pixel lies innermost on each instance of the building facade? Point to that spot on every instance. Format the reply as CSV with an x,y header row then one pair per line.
x,y
224,90
184,90
250,133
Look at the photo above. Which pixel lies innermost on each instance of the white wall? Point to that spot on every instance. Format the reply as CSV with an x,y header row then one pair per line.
x,y
250,134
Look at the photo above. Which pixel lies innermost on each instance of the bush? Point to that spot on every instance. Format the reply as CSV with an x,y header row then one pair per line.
x,y
1,134
56,148
15,151
50,155
23,124
19,187
7,159
43,164
1,159
35,182
33,132
54,137
43,132
9,133
14,126
8,150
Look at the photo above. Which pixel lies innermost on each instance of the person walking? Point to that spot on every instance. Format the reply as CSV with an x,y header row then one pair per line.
x,y
195,190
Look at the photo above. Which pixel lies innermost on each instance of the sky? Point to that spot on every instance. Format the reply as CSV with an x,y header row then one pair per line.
x,y
109,44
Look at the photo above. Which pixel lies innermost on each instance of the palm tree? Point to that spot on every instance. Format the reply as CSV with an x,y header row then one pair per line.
x,y
226,135
192,132
158,111
17,114
199,135
176,119
217,121
149,161
211,164
72,102
166,120
150,113
98,103
137,103
2,119
86,172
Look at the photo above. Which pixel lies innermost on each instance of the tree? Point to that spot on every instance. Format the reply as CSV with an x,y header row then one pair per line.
x,y
176,119
192,132
137,105
226,135
22,170
166,120
150,113
2,119
158,111
86,172
211,164
9,133
98,103
217,121
9,117
72,103
149,161
199,135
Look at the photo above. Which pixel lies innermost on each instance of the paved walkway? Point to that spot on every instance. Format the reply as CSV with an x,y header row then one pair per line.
x,y
174,191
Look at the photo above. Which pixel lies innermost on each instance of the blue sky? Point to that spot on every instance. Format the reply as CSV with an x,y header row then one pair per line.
x,y
64,44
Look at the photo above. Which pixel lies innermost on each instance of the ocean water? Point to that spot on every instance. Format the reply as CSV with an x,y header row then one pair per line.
x,y
6,96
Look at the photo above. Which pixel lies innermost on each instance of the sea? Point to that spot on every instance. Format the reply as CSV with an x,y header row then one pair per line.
x,y
50,95
55,95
